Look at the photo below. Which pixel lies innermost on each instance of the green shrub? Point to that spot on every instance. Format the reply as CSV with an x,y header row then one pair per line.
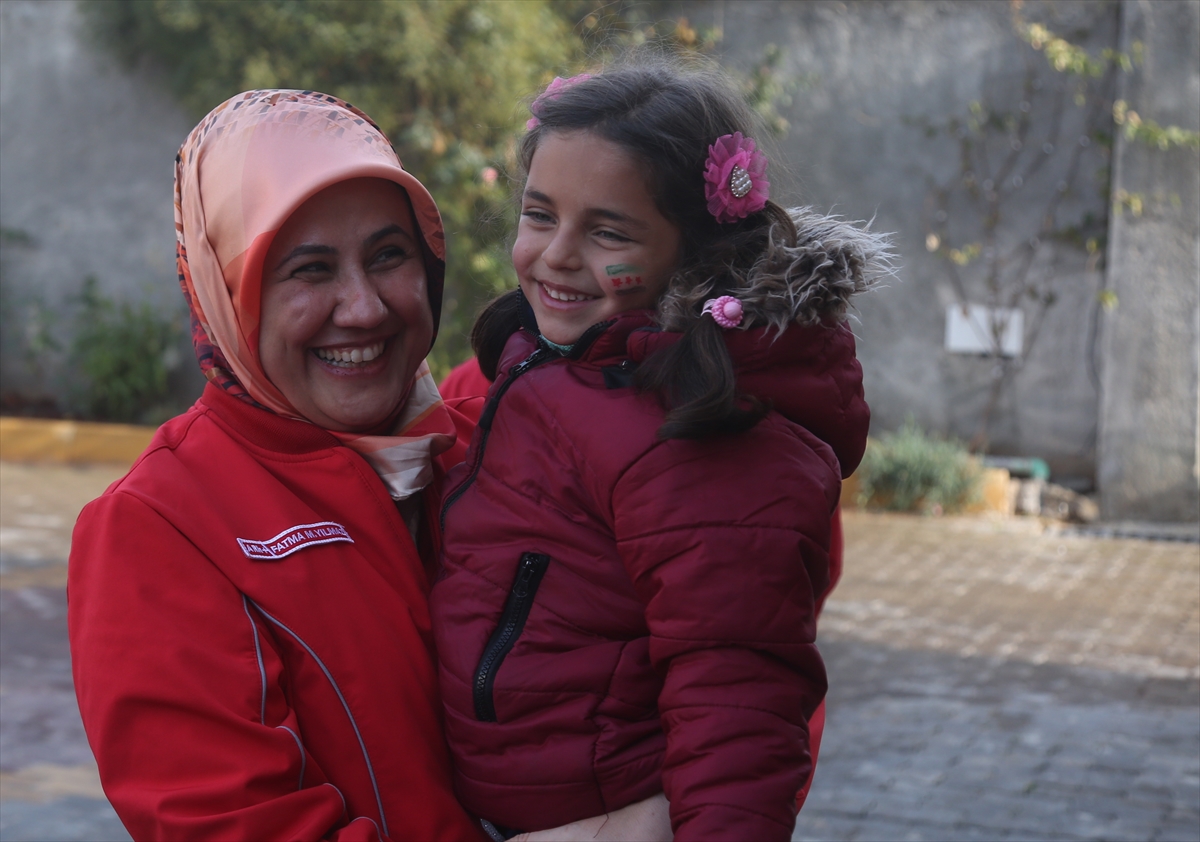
x,y
121,356
910,471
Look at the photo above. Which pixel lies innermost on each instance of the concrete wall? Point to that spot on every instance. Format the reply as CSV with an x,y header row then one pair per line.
x,y
87,150
875,84
1149,434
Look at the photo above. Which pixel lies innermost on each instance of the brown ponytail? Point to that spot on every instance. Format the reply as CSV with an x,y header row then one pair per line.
x,y
695,383
498,321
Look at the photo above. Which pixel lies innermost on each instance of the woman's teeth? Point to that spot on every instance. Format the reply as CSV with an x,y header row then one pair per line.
x,y
349,356
558,295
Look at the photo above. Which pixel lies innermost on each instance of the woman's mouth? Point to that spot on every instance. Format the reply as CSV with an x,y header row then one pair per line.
x,y
352,355
563,294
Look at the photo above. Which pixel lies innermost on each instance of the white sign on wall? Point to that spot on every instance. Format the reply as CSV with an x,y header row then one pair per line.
x,y
979,329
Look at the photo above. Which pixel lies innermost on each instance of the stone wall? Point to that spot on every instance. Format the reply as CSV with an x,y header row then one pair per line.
x,y
1150,411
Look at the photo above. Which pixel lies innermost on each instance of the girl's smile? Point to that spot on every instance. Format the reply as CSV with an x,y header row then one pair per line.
x,y
591,242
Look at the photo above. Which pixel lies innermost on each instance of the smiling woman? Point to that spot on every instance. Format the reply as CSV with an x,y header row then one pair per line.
x,y
345,313
248,606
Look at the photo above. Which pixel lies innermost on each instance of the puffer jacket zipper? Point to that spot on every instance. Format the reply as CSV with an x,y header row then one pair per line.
x,y
540,355
512,621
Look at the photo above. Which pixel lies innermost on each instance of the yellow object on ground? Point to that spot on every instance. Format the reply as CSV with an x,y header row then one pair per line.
x,y
71,442
996,493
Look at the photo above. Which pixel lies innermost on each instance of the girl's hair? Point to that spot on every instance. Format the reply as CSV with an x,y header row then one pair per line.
x,y
665,114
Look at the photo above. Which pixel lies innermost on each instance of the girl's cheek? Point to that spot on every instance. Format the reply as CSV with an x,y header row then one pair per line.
x,y
523,256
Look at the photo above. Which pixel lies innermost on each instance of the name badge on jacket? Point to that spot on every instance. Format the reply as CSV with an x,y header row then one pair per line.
x,y
294,539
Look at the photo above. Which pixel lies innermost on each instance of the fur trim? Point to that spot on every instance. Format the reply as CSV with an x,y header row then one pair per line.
x,y
807,282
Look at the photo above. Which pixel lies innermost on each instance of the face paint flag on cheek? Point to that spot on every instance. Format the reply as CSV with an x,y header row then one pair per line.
x,y
625,278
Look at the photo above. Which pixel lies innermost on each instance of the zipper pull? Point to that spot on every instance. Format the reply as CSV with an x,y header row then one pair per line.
x,y
527,363
521,586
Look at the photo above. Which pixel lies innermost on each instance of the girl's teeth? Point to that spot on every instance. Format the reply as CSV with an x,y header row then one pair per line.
x,y
566,296
349,356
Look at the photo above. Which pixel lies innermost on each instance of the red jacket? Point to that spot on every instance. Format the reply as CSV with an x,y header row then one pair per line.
x,y
250,641
620,615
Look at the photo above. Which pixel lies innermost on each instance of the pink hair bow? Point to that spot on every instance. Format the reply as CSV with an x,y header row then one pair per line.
x,y
735,178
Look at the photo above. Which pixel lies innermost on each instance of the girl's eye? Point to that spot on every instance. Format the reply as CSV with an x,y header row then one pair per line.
x,y
612,236
538,216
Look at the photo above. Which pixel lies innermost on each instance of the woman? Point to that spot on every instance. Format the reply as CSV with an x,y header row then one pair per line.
x,y
248,617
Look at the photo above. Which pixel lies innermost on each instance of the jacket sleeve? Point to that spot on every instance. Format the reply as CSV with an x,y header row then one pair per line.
x,y
727,543
167,669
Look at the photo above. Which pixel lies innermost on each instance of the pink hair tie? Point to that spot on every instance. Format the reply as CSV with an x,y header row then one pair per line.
x,y
726,311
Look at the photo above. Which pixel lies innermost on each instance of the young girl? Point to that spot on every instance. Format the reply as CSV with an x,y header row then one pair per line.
x,y
639,537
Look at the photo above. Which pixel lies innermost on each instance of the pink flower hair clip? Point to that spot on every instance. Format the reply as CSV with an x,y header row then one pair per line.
x,y
553,91
725,310
735,176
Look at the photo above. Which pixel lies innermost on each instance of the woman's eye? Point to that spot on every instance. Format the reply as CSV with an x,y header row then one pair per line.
x,y
390,254
310,269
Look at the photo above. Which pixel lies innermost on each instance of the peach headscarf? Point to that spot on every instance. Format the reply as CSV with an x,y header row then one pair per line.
x,y
238,177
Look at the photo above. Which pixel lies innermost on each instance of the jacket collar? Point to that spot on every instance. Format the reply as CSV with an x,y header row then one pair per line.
x,y
263,428
601,344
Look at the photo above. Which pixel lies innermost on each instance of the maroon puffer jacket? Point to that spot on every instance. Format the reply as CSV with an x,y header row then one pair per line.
x,y
619,615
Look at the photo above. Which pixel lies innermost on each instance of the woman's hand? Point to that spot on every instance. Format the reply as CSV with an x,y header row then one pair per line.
x,y
645,821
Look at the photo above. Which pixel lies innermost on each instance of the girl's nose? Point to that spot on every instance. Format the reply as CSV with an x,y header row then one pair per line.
x,y
359,303
562,253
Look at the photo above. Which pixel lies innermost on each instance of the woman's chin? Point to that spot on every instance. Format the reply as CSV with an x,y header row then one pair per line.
x,y
370,421
353,408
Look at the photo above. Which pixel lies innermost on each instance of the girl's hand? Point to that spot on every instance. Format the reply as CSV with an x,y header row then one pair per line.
x,y
645,821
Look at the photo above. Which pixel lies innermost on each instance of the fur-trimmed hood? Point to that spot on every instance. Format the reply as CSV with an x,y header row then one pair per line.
x,y
793,349
806,283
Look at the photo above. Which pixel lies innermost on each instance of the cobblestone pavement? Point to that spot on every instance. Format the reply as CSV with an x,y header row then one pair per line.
x,y
989,680
49,789
992,680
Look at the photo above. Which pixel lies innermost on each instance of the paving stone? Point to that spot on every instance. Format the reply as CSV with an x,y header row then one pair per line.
x,y
63,820
829,826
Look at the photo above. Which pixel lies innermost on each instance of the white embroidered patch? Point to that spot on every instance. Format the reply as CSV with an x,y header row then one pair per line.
x,y
296,538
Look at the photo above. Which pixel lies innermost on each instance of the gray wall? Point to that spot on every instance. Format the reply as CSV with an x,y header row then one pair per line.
x,y
1149,434
864,141
87,151
872,82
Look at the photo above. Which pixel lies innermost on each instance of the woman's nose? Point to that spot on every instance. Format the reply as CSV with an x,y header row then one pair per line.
x,y
359,303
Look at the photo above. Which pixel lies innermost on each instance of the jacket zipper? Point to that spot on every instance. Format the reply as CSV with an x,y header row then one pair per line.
x,y
512,621
540,355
